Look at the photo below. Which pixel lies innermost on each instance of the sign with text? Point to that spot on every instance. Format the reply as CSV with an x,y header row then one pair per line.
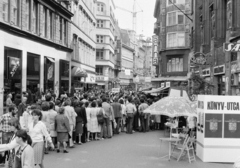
x,y
198,59
232,47
148,79
155,50
115,90
99,78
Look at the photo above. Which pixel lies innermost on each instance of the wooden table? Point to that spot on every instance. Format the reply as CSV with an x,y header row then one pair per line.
x,y
169,140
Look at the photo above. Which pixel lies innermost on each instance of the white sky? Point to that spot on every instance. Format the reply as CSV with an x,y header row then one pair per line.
x,y
145,19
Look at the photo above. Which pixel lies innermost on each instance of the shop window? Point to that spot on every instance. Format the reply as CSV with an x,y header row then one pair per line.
x,y
64,76
49,74
12,72
175,64
33,75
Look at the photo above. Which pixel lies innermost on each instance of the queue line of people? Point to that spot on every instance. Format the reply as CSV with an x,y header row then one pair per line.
x,y
65,121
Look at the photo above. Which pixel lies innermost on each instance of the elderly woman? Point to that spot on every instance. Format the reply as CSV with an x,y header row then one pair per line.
x,y
38,130
63,128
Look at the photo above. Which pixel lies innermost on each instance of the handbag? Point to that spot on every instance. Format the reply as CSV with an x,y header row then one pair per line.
x,y
100,117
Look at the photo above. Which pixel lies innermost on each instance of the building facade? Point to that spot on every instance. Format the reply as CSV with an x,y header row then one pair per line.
x,y
106,59
172,29
83,38
35,47
219,24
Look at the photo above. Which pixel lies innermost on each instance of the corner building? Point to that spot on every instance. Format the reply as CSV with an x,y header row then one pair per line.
x,y
34,47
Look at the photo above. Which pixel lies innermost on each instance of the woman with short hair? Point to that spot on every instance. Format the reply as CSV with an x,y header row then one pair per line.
x,y
93,120
38,130
63,128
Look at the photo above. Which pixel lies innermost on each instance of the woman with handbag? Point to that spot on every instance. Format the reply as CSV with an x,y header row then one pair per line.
x,y
131,110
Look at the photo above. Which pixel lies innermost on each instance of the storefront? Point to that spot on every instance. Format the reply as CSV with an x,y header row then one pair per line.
x,y
206,74
235,77
101,82
90,81
219,75
64,76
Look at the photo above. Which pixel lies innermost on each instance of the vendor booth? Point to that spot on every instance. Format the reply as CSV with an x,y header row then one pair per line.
x,y
218,128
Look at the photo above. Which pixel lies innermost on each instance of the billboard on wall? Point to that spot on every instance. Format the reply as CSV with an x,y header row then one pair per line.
x,y
155,50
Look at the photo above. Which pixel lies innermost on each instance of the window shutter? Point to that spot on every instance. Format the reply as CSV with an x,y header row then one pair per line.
x,y
33,24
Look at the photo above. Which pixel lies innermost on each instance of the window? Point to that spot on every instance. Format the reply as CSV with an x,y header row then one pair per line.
x,y
60,28
100,23
175,64
27,14
46,21
100,7
99,39
99,54
174,18
5,9
99,70
15,12
175,40
34,17
65,32
51,25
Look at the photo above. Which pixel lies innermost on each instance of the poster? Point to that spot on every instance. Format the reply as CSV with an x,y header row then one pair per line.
x,y
213,125
231,125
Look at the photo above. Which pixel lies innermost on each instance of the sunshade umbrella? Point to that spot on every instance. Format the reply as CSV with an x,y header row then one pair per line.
x,y
172,107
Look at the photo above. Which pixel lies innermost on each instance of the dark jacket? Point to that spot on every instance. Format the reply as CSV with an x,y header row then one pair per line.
x,y
81,114
62,123
117,109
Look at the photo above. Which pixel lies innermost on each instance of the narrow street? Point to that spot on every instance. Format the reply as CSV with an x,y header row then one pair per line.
x,y
139,150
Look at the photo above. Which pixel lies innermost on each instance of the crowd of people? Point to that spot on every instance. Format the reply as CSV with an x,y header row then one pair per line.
x,y
49,123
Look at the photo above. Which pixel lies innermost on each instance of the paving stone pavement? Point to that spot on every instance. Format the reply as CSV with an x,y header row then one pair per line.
x,y
138,150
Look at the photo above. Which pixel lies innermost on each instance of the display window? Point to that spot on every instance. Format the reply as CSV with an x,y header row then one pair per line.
x,y
12,73
64,76
49,74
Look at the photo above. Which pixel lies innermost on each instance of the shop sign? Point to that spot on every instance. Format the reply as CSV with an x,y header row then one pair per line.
x,y
235,66
115,90
162,84
148,79
155,50
168,84
206,72
219,70
198,59
99,78
90,78
232,47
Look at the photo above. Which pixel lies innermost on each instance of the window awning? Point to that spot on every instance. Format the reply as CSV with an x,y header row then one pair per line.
x,y
146,89
156,90
50,59
79,72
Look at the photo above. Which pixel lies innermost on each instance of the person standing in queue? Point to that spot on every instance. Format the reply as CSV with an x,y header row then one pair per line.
x,y
131,110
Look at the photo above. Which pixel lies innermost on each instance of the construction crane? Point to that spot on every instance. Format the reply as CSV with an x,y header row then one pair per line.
x,y
134,14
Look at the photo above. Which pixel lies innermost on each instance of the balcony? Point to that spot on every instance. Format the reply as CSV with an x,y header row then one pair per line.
x,y
156,27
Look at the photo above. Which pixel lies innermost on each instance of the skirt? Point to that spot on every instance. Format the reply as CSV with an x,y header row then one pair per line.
x,y
79,128
88,125
62,136
38,148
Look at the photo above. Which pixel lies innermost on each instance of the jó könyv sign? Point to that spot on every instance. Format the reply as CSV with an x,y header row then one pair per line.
x,y
198,59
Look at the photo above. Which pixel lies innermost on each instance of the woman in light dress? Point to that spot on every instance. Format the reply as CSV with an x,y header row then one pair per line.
x,y
94,129
88,109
